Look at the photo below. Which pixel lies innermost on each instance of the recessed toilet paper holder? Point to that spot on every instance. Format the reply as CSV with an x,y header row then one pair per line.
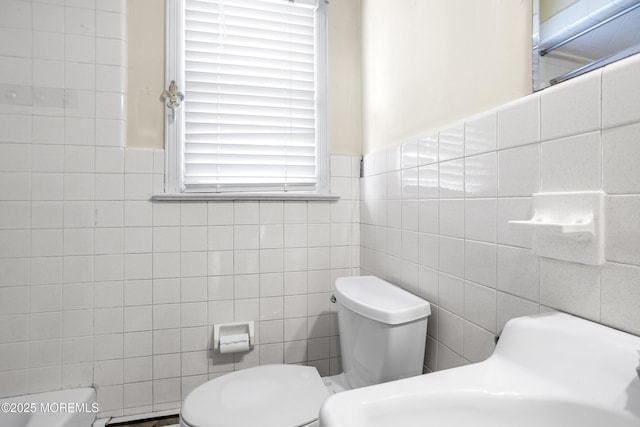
x,y
234,331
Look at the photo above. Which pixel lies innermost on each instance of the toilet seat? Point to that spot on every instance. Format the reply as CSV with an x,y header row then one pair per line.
x,y
266,396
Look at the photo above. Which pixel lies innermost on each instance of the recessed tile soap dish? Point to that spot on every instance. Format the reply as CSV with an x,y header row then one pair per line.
x,y
567,226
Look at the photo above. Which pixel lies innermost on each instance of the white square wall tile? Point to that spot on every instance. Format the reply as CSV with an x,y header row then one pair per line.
x,y
394,185
16,271
137,344
109,214
410,215
48,130
519,272
45,325
428,250
394,242
392,160
409,246
340,166
571,164
427,149
451,256
621,92
451,142
78,186
79,158
481,175
108,294
15,157
109,186
21,41
164,214
451,217
78,241
111,24
480,263
111,105
82,131
512,209
110,132
45,379
409,154
480,305
15,14
18,186
43,242
45,298
622,228
480,134
79,76
79,48
428,182
119,6
478,343
50,74
138,186
620,163
16,71
519,171
450,330
379,159
109,159
47,158
451,178
271,212
621,297
570,287
572,107
15,300
110,51
409,183
519,122
138,394
15,128
246,213
79,21
138,266
447,358
111,78
480,218
510,307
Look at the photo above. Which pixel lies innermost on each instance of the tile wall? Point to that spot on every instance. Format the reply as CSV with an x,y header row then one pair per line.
x,y
98,285
435,212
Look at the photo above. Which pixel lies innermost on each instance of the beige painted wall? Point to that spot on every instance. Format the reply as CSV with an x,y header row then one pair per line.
x,y
145,117
345,78
427,64
145,111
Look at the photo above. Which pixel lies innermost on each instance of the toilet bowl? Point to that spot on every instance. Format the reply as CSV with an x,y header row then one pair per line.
x,y
382,335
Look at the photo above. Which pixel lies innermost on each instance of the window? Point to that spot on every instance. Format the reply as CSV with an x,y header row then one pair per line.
x,y
253,75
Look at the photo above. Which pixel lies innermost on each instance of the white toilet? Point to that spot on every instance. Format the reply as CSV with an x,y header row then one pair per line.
x,y
382,334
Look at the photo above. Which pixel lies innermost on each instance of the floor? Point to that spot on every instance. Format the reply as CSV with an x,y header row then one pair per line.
x,y
169,421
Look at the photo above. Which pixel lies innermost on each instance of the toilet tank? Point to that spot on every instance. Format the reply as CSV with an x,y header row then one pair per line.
x,y
383,330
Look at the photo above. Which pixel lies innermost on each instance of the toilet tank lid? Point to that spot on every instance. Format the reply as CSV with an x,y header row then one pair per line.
x,y
379,300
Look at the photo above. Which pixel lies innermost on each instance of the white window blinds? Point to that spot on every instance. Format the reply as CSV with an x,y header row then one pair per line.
x,y
251,116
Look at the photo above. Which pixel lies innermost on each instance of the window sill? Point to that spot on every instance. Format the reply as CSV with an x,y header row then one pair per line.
x,y
172,197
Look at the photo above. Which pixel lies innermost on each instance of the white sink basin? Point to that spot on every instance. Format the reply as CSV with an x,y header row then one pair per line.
x,y
478,409
552,370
